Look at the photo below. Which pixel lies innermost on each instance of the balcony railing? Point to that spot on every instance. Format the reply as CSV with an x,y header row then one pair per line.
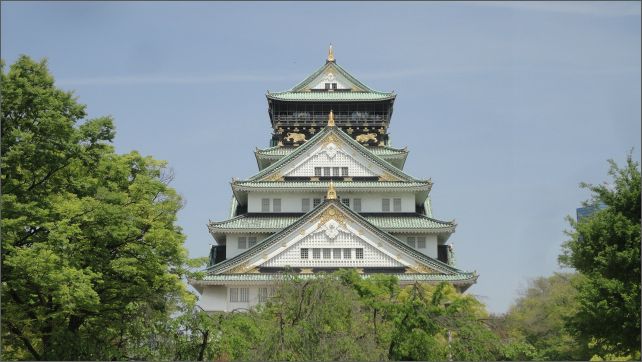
x,y
341,119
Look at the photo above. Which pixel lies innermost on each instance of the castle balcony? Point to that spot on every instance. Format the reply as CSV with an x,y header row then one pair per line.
x,y
320,119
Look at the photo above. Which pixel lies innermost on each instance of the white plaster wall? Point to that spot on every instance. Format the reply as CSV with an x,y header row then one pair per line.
x,y
370,202
336,77
332,155
372,256
213,298
431,243
216,298
232,243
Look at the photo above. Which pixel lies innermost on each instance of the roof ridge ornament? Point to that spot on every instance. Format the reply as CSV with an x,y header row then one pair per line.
x,y
331,119
332,193
330,54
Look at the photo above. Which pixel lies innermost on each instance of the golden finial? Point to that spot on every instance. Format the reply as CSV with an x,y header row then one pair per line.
x,y
331,54
332,193
331,119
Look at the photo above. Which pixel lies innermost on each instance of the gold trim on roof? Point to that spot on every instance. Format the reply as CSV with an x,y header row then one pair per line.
x,y
331,54
332,213
332,193
331,119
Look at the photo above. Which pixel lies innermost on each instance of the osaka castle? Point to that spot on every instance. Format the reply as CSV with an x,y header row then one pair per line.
x,y
330,193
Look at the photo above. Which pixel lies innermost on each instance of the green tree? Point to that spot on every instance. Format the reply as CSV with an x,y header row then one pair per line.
x,y
316,319
537,319
605,248
89,241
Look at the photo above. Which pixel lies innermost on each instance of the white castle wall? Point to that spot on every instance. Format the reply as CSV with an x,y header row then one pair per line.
x,y
431,243
231,248
370,201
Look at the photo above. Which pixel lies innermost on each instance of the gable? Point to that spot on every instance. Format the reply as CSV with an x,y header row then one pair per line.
x,y
332,226
332,75
331,147
333,245
331,152
330,72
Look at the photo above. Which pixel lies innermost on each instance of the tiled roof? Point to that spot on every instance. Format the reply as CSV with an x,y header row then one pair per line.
x,y
330,132
331,96
388,223
274,238
402,277
331,66
379,151
315,186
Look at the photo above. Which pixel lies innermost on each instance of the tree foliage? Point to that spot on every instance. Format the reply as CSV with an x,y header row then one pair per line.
x,y
342,316
89,241
605,248
536,321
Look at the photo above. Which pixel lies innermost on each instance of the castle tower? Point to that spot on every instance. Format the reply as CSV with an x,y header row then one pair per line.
x,y
330,193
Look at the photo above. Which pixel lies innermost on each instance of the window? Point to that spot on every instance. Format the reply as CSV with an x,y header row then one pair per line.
x,y
276,205
385,205
327,86
242,242
336,253
347,253
335,171
265,205
316,202
272,292
263,294
326,171
244,294
344,171
251,241
234,294
421,242
334,85
327,253
346,202
316,253
356,205
411,241
359,253
305,205
304,253
317,171
396,205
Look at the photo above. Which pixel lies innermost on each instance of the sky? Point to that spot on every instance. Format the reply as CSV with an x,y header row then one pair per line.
x,y
506,106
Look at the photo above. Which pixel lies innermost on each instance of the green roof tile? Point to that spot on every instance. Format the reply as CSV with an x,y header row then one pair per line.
x,y
389,223
331,96
401,277
379,151
315,186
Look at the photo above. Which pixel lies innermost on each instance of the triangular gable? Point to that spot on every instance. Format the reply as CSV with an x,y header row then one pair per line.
x,y
330,224
329,143
331,70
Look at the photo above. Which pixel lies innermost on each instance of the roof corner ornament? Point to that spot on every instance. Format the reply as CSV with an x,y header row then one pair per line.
x,y
331,54
332,193
331,119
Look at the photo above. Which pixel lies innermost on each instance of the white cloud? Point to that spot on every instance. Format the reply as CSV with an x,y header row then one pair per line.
x,y
605,8
176,80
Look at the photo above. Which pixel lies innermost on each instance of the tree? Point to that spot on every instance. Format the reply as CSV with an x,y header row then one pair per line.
x,y
537,320
605,248
317,319
90,246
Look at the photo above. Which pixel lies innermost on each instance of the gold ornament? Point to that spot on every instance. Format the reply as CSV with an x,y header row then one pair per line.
x,y
332,213
275,177
331,54
387,177
332,193
331,119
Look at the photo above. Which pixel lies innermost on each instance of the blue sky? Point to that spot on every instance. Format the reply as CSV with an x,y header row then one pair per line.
x,y
506,106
